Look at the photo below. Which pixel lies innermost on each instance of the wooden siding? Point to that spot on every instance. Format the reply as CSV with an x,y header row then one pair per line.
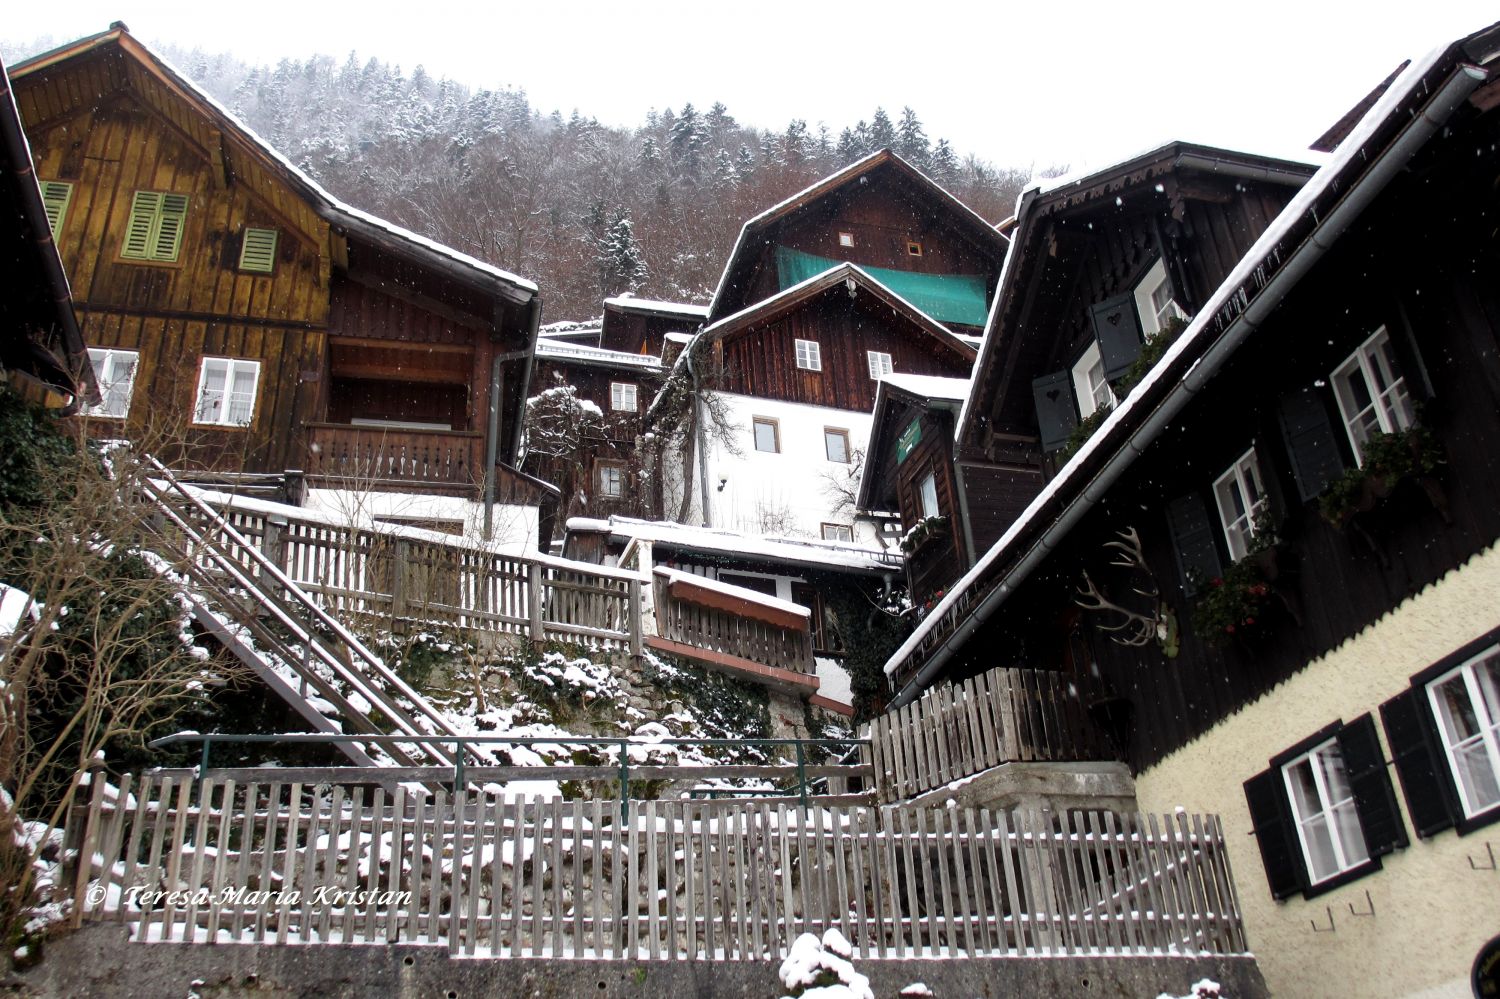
x,y
761,360
940,560
1414,270
995,495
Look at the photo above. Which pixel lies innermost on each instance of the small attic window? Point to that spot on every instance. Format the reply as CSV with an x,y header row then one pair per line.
x,y
913,249
846,239
258,251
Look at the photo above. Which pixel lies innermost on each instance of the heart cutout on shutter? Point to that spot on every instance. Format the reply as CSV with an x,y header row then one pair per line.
x,y
1054,394
1113,318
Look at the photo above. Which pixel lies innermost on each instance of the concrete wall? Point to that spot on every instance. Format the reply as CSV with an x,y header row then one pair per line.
x,y
98,961
1433,910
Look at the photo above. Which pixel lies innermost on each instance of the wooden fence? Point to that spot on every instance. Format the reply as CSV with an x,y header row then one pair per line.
x,y
957,730
739,631
410,574
482,875
344,453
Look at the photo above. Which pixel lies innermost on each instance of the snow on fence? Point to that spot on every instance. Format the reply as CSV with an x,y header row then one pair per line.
x,y
411,574
482,875
1002,716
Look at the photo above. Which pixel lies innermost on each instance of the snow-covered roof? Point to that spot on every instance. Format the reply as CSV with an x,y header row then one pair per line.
x,y
930,386
679,337
1350,157
311,186
595,355
632,304
802,551
729,589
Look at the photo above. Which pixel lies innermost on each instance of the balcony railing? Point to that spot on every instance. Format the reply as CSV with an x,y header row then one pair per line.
x,y
734,627
385,456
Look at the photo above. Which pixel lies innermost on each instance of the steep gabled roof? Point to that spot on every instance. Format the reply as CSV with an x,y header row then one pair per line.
x,y
387,234
898,390
755,232
1104,187
788,300
1416,106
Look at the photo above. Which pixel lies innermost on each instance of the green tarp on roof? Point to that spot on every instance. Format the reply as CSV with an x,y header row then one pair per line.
x,y
948,298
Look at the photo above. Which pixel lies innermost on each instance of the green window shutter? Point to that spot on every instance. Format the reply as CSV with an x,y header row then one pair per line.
x,y
155,228
56,196
258,251
143,209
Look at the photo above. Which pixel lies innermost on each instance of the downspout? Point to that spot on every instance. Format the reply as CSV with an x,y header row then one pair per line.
x,y
1322,238
702,439
497,401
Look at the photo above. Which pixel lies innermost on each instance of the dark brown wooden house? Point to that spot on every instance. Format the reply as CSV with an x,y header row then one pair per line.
x,y
1275,565
637,325
242,313
884,215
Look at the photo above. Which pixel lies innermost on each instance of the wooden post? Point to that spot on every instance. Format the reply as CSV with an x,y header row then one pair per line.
x,y
398,580
636,615
534,599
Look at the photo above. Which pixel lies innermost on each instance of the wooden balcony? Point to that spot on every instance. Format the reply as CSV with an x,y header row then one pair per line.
x,y
734,630
391,458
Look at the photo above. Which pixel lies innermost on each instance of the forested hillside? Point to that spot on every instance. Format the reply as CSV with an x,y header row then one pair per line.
x,y
585,210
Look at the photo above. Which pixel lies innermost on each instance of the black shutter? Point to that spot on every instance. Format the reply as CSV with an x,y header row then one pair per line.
x,y
1310,441
1271,819
1193,540
1056,414
1431,797
1117,327
1374,798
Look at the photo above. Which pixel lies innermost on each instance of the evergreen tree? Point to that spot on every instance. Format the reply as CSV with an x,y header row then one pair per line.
x,y
911,140
720,123
724,175
621,266
744,163
687,141
795,144
944,168
882,133
650,155
847,150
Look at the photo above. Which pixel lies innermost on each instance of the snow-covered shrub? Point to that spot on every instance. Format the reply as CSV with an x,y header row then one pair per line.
x,y
822,969
1203,989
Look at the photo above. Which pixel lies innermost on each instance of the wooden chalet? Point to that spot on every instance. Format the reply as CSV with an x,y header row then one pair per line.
x,y
42,351
638,325
884,215
244,314
1275,563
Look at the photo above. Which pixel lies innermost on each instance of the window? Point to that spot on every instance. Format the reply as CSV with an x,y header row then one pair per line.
x,y
226,392
258,251
114,370
1154,302
838,532
809,357
1466,703
836,445
622,396
1371,393
1323,811
1241,500
767,435
846,239
56,196
611,481
928,494
913,249
1093,391
880,363
155,228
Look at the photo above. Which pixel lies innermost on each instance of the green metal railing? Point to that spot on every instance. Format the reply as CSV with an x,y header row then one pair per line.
x,y
621,745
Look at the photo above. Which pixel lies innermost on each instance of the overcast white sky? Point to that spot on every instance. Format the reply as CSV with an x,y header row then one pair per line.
x,y
1078,83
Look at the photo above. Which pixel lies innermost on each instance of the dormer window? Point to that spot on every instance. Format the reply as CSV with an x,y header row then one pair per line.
x,y
846,239
1154,302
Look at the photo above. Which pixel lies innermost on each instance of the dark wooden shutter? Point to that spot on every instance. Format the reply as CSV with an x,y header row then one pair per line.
x,y
1374,798
1117,327
1193,530
1271,818
1426,782
1311,440
1056,413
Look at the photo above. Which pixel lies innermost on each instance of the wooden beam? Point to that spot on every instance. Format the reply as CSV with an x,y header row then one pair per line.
x,y
402,293
803,684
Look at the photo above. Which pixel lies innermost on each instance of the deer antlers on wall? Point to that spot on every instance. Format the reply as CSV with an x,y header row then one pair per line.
x,y
1128,626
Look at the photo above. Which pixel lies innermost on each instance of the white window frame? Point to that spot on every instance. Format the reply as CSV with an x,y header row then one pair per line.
x,y
1336,812
756,422
879,362
1233,492
1390,410
1091,388
611,481
1486,711
809,355
209,411
106,362
623,398
837,532
1155,311
927,495
829,433
846,239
